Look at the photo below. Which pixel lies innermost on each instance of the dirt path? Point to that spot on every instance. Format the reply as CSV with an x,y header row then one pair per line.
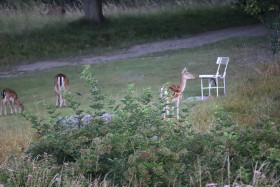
x,y
138,50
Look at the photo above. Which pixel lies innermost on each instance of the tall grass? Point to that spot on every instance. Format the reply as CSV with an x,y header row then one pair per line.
x,y
255,98
43,172
14,136
258,97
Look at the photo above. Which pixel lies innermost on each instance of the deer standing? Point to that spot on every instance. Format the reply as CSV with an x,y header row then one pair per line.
x,y
61,83
10,96
177,92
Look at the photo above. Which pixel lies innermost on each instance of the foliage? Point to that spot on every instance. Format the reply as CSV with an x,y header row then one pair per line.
x,y
258,7
138,147
267,11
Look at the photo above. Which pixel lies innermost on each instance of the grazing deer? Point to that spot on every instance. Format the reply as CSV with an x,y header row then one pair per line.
x,y
61,83
177,91
10,96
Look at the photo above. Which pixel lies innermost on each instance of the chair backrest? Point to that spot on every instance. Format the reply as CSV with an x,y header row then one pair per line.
x,y
224,61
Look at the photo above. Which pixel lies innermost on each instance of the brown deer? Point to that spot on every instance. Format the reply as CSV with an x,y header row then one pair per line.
x,y
61,82
10,96
177,90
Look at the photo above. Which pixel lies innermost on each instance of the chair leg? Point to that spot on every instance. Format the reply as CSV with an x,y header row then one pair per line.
x,y
224,86
209,85
217,84
201,89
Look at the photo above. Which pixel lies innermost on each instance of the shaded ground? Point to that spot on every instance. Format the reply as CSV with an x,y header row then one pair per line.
x,y
138,50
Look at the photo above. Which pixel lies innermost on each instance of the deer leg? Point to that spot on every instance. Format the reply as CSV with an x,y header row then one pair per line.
x,y
64,100
11,107
15,107
2,104
57,100
60,100
167,108
5,108
178,103
164,114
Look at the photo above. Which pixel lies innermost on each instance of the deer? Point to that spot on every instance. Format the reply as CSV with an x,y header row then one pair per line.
x,y
10,96
174,92
61,82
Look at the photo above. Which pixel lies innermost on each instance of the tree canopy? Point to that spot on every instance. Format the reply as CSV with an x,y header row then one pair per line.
x,y
258,7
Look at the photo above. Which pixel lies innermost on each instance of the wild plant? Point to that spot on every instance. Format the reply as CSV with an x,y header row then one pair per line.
x,y
137,147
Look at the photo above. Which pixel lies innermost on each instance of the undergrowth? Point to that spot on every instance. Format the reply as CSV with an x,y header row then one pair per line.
x,y
136,147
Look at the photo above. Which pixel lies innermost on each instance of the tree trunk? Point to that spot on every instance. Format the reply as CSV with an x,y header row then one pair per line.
x,y
93,10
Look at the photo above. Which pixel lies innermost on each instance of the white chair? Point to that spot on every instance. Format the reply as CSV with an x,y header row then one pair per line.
x,y
214,78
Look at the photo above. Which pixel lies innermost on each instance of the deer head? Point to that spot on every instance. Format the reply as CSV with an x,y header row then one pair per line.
x,y
186,74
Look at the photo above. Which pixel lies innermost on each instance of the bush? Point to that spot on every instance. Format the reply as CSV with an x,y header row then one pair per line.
x,y
137,147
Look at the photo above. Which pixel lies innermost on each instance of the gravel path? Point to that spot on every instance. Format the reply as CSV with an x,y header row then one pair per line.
x,y
138,50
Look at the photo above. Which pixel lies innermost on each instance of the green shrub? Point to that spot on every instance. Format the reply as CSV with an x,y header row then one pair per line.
x,y
138,147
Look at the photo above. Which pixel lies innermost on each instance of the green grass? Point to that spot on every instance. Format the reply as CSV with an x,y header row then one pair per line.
x,y
27,38
147,71
153,71
253,97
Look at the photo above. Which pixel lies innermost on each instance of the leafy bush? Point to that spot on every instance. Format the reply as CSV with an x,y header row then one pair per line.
x,y
137,147
257,8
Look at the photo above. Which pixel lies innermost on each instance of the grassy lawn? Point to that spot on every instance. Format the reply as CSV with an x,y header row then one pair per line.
x,y
27,38
147,71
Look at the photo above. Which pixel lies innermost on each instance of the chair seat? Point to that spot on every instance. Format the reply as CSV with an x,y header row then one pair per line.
x,y
213,82
209,76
